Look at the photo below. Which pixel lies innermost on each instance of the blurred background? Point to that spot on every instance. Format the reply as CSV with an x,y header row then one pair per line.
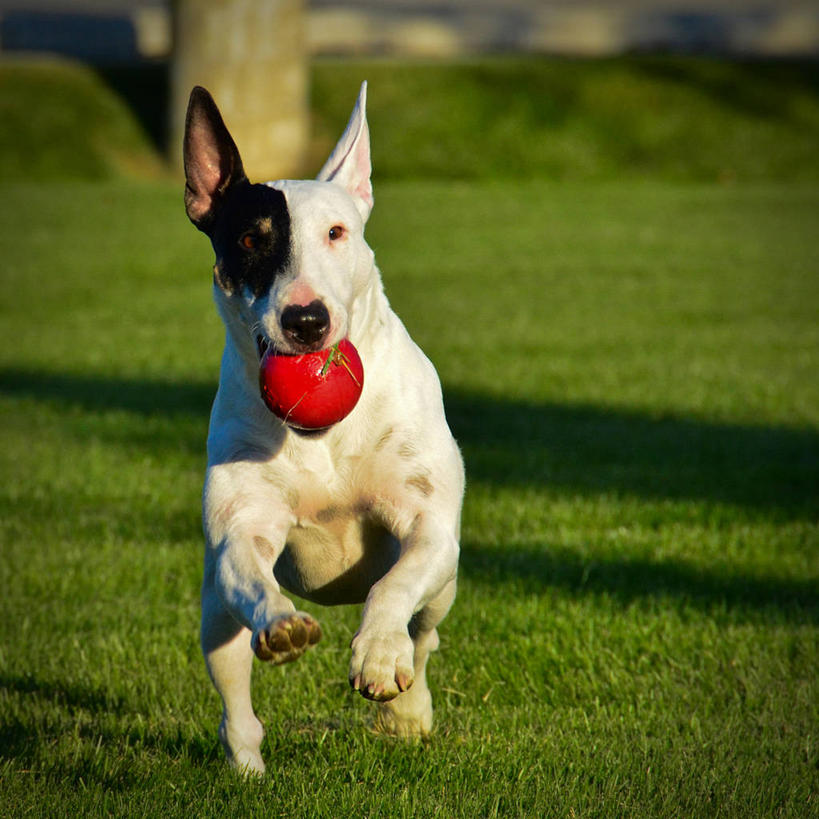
x,y
269,63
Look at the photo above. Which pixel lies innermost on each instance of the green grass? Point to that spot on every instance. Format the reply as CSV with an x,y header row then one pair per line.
x,y
62,121
694,119
630,370
675,118
630,367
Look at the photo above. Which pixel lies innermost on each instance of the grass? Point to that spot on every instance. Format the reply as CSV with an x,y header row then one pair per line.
x,y
630,368
572,120
683,118
636,629
61,120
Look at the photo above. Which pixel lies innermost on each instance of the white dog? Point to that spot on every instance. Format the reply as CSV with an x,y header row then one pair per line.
x,y
365,511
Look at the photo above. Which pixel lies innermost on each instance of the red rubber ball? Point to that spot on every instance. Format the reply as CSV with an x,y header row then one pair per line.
x,y
312,390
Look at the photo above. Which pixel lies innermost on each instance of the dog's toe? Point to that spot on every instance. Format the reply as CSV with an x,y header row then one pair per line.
x,y
381,665
286,638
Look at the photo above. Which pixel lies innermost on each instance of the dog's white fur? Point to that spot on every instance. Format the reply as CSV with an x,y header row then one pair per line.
x,y
367,511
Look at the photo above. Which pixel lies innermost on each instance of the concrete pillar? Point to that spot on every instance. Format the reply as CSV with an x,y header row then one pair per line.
x,y
251,55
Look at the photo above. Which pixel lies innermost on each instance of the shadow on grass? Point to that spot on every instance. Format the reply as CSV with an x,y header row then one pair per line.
x,y
19,740
65,695
764,89
104,394
579,449
597,450
740,597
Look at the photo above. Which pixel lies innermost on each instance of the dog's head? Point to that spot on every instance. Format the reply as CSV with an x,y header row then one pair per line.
x,y
290,255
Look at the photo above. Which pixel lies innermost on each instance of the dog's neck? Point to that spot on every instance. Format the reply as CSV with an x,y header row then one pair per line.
x,y
369,313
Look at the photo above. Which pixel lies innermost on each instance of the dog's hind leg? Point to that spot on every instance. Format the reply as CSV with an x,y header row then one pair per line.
x,y
229,659
410,713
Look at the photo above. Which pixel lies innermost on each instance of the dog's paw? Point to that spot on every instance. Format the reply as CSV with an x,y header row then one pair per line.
x,y
406,716
381,666
286,638
241,740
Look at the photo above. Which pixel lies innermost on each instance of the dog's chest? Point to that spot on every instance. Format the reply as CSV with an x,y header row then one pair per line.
x,y
337,546
335,555
321,479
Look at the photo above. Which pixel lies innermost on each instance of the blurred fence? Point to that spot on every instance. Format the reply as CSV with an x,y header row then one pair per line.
x,y
139,30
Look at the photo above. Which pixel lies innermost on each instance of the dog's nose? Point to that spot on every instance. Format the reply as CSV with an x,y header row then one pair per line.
x,y
306,324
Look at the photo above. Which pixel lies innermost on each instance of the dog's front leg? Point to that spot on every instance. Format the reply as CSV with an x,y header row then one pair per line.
x,y
243,611
421,582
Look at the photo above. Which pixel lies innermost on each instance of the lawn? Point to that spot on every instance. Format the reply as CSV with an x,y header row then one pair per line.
x,y
630,366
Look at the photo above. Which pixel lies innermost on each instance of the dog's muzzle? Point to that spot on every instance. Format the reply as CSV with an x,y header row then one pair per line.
x,y
306,326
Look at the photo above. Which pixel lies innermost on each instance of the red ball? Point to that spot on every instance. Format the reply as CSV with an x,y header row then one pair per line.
x,y
312,390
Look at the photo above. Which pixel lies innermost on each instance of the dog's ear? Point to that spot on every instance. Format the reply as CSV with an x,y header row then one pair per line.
x,y
212,161
349,164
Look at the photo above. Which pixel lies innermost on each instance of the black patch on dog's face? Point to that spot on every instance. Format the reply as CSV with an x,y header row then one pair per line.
x,y
251,238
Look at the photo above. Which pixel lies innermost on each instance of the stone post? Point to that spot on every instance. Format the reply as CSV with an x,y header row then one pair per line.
x,y
251,55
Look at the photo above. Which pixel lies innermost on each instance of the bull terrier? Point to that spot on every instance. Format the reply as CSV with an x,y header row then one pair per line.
x,y
365,511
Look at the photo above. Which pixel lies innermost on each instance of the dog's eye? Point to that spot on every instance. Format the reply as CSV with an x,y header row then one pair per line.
x,y
336,232
248,241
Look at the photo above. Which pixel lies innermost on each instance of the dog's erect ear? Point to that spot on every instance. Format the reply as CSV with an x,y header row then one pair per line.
x,y
212,161
349,164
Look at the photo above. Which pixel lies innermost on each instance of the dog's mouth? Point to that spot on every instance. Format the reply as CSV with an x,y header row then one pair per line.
x,y
263,345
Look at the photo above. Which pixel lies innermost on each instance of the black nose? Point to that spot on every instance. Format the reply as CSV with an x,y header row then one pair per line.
x,y
306,324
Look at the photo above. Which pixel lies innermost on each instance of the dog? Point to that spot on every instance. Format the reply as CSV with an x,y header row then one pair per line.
x,y
366,511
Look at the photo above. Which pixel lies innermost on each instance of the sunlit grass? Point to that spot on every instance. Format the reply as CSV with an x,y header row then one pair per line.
x,y
629,370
